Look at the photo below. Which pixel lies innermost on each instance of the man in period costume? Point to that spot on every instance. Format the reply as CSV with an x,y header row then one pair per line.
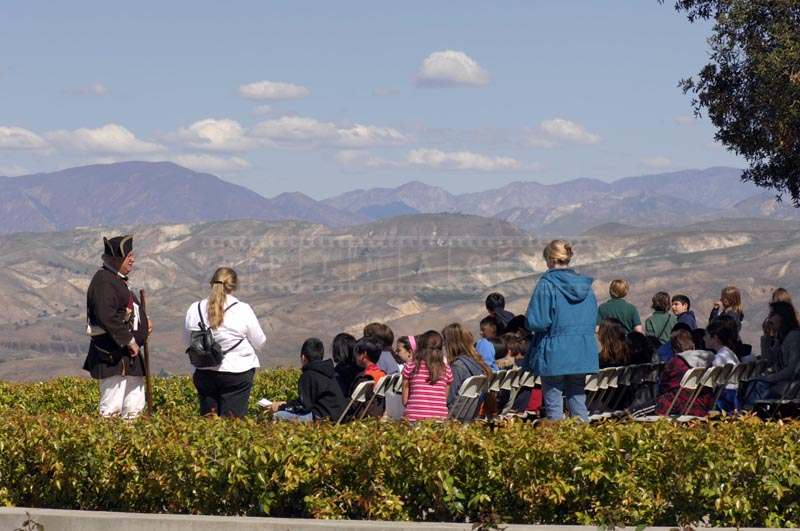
x,y
118,328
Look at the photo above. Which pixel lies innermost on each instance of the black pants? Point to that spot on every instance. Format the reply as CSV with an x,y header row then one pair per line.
x,y
223,393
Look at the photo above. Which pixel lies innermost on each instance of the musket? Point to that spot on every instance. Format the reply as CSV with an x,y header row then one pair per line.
x,y
148,377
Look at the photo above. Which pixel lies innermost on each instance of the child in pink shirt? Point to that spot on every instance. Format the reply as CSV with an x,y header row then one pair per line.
x,y
426,380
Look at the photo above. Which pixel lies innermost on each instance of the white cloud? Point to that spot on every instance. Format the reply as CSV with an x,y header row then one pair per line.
x,y
211,163
97,89
110,138
450,68
13,171
657,162
273,90
18,138
685,120
358,135
557,131
353,158
301,131
461,160
216,135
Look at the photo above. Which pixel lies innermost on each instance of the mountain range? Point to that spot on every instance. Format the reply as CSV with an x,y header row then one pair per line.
x,y
161,192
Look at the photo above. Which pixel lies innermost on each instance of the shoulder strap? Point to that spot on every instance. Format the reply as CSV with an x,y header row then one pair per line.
x,y
200,313
666,322
231,306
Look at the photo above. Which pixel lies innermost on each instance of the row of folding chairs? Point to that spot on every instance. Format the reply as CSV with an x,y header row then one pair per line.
x,y
715,379
366,392
606,388
475,389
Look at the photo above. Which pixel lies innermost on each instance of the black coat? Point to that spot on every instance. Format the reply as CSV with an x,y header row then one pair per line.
x,y
107,303
320,393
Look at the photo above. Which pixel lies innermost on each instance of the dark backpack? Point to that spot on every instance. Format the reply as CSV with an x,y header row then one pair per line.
x,y
204,351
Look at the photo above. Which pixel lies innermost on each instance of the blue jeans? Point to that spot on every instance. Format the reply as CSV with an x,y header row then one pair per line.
x,y
554,388
288,415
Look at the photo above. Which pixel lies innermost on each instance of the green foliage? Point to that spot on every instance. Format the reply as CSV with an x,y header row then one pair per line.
x,y
56,452
174,395
751,85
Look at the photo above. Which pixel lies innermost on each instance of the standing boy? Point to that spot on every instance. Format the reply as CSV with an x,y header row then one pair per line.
x,y
681,307
618,308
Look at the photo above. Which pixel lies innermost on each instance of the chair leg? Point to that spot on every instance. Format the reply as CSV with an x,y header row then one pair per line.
x,y
366,407
346,410
677,394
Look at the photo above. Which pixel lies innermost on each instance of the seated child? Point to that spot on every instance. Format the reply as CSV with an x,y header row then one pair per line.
x,y
368,351
721,336
320,394
490,328
426,380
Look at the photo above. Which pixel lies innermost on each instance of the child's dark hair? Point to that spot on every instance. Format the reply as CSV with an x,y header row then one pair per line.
x,y
371,346
660,301
343,349
491,320
726,330
640,348
515,344
683,299
518,325
788,316
699,338
431,351
495,301
382,333
681,326
313,349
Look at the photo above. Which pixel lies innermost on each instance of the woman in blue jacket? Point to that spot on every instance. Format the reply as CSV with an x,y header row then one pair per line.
x,y
562,314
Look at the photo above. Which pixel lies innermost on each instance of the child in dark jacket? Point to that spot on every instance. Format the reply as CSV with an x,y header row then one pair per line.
x,y
681,307
320,394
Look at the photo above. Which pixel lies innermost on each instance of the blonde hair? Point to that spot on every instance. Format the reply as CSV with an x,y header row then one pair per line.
x,y
618,288
223,282
731,298
558,251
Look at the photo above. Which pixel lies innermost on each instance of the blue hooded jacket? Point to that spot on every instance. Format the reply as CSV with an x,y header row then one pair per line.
x,y
562,314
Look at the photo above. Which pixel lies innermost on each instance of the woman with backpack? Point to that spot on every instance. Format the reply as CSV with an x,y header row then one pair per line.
x,y
222,335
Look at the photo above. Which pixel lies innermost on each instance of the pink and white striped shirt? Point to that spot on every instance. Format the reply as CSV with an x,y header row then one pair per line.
x,y
425,400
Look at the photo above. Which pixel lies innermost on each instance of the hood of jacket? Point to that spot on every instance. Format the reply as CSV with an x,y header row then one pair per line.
x,y
324,367
697,358
574,287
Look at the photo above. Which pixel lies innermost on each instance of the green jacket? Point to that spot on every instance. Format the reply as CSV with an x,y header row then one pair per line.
x,y
660,325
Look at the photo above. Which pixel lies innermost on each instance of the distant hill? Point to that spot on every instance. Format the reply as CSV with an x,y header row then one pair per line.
x,y
133,193
144,192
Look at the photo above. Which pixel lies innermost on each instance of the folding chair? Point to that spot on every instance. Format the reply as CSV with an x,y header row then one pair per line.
x,y
604,377
733,371
710,379
624,383
359,395
512,384
398,384
384,385
468,398
690,381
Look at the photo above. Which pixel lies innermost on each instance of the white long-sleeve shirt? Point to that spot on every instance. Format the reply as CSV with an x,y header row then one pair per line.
x,y
239,322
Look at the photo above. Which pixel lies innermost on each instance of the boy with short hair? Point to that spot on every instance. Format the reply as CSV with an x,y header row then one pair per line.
x,y
320,394
368,353
384,335
490,328
496,306
681,307
618,308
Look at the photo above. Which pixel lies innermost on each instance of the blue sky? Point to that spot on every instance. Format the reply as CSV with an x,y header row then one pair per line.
x,y
324,97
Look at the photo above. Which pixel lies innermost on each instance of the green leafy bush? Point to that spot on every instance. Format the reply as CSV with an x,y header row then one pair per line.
x,y
727,473
56,452
173,395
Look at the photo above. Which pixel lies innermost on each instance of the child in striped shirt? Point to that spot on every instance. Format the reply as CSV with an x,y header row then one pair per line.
x,y
426,380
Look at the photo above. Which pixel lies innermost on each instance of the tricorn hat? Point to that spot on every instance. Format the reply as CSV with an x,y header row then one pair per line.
x,y
118,246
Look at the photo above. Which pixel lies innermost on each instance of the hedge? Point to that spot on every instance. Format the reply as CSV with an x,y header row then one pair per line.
x,y
172,395
726,473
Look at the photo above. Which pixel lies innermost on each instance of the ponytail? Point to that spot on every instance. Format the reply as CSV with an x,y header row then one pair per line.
x,y
223,282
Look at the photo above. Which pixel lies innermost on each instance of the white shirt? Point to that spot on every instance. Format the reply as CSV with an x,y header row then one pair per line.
x,y
239,322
